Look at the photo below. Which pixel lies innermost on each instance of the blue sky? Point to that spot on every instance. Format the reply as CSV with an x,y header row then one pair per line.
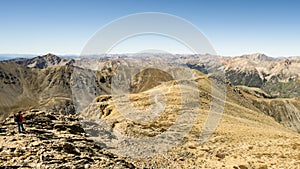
x,y
234,27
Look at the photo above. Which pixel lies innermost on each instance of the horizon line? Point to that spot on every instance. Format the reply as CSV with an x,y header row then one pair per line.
x,y
78,55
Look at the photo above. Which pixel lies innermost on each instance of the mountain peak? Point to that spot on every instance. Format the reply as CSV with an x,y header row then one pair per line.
x,y
49,55
51,58
44,61
258,57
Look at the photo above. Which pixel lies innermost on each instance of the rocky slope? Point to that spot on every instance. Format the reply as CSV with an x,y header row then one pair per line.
x,y
53,140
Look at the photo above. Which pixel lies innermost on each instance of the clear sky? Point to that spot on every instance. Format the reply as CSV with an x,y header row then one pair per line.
x,y
234,27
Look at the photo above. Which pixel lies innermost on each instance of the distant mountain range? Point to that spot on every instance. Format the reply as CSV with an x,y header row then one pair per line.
x,y
13,56
27,56
279,77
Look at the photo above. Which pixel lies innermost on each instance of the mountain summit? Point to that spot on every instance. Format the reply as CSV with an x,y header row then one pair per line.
x,y
42,62
258,57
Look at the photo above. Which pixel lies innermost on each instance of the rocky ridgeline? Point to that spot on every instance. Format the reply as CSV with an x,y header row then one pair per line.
x,y
42,62
52,140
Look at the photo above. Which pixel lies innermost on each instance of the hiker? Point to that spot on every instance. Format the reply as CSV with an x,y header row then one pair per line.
x,y
19,120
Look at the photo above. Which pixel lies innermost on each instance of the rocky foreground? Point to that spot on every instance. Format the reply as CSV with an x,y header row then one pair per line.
x,y
52,140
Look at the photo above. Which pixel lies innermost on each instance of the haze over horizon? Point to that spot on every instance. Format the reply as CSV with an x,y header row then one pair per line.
x,y
6,57
233,27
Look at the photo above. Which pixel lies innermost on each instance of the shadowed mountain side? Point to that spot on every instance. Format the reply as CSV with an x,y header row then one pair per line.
x,y
26,88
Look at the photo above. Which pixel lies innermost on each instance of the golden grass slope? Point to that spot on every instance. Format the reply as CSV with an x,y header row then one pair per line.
x,y
245,137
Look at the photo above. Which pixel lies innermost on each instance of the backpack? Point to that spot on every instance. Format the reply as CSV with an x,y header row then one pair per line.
x,y
15,118
18,118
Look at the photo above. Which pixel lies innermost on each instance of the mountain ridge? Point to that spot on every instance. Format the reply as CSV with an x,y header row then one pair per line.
x,y
41,62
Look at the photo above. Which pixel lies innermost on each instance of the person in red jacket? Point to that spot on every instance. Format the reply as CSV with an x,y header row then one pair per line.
x,y
19,120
